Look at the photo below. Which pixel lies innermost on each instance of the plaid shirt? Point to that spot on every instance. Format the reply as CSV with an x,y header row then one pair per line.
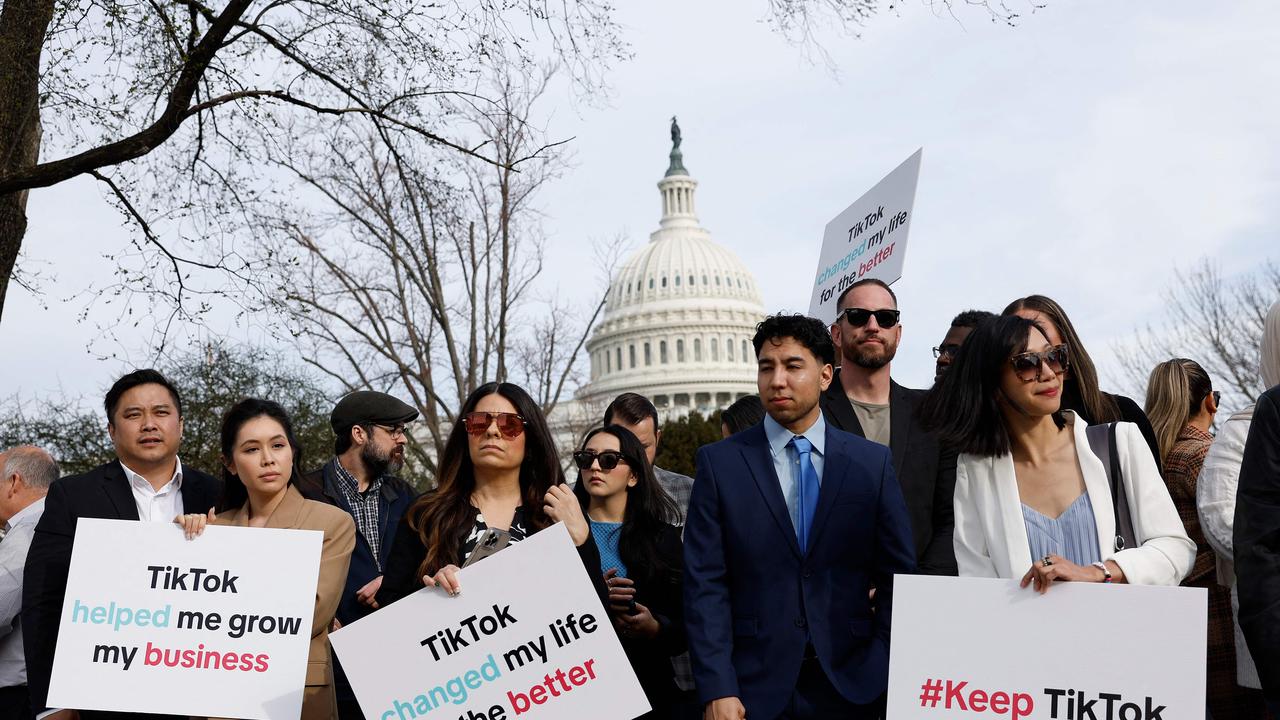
x,y
1181,469
364,506
678,487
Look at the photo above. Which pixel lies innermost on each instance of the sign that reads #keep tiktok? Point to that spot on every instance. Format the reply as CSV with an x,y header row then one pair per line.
x,y
526,638
978,648
867,240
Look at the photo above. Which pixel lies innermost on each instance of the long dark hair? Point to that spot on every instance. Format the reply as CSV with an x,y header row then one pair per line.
x,y
234,493
964,408
1099,407
648,505
444,516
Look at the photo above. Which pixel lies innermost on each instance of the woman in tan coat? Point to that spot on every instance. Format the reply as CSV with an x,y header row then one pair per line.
x,y
260,458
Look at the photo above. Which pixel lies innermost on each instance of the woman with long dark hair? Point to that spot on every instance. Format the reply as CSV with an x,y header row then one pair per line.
x,y
499,471
640,556
261,458
1032,501
1080,391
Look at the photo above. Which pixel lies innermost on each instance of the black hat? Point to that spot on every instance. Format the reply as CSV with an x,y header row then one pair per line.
x,y
368,406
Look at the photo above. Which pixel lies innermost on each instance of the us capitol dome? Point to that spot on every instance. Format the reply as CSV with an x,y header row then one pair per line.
x,y
679,316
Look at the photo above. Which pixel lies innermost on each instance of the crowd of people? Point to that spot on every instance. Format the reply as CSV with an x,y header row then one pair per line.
x,y
763,587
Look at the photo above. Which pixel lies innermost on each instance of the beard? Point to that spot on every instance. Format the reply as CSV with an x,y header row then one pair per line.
x,y
869,356
379,462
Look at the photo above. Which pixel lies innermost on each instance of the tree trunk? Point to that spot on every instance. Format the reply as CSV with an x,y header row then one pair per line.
x,y
23,26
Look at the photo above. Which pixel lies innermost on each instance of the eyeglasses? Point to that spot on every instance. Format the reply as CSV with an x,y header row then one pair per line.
x,y
947,350
608,459
1027,365
1217,396
510,425
393,430
858,317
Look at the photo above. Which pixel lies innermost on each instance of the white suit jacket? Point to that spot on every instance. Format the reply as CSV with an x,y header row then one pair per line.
x,y
991,535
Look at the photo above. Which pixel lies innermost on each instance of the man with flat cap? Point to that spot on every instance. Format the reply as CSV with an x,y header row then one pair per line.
x,y
369,449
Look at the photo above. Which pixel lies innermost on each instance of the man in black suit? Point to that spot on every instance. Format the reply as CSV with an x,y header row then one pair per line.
x,y
147,482
864,400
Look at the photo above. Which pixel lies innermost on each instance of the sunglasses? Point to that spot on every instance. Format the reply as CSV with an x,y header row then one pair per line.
x,y
510,425
608,459
1217,396
1027,365
945,350
858,317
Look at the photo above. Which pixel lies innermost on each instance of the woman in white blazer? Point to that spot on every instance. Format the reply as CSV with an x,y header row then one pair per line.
x,y
1032,501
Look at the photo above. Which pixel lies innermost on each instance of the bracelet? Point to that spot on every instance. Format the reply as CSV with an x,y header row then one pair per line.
x,y
1106,574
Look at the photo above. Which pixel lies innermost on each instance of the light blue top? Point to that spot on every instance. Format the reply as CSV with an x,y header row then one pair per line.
x,y
786,461
1072,535
606,535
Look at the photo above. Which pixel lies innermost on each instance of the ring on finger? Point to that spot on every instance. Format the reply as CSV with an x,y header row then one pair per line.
x,y
1046,561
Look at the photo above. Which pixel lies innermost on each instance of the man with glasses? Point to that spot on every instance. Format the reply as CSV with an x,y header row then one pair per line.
x,y
361,479
863,399
961,326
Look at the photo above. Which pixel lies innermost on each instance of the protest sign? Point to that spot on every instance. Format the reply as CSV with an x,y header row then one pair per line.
x,y
525,638
216,626
867,240
980,648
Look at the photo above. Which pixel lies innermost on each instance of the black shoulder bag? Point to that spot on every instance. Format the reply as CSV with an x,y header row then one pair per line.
x,y
1102,441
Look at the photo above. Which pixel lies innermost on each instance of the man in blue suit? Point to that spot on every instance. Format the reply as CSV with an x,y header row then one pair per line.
x,y
792,524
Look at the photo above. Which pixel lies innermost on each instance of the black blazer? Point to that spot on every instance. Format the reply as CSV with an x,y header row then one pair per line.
x,y
103,492
925,470
1257,541
663,594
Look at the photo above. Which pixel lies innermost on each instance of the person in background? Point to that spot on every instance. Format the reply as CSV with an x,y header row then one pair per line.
x,y
146,482
27,473
791,524
369,432
1080,391
499,470
1181,404
865,400
637,414
1027,483
745,412
961,326
1257,544
1216,498
640,557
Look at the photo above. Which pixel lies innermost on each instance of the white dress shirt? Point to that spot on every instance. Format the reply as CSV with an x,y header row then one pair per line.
x,y
161,505
13,558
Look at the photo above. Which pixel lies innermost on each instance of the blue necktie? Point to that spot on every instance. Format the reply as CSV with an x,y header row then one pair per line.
x,y
806,490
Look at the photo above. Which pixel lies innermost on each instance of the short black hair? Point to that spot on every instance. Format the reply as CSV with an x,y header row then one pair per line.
x,y
342,442
631,409
745,412
146,376
971,318
868,281
809,332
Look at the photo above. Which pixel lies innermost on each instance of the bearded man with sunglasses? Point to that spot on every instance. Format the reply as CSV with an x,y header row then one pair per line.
x,y
863,399
361,479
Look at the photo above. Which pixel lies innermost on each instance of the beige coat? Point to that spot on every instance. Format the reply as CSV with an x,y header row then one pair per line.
x,y
297,513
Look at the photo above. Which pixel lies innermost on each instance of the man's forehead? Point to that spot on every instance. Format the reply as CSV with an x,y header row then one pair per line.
x,y
870,297
644,427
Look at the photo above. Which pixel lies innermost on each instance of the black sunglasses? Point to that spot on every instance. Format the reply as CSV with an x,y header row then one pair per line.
x,y
608,459
1027,365
947,350
858,317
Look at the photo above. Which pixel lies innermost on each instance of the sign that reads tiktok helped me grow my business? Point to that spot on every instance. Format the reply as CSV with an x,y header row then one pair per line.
x,y
525,638
978,648
215,626
867,240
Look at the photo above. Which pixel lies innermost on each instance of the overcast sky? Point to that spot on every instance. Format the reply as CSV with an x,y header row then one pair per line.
x,y
1083,154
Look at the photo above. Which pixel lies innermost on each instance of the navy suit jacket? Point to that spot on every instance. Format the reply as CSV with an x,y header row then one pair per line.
x,y
753,601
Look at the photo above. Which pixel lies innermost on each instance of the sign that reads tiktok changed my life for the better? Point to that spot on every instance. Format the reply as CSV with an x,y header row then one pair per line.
x,y
980,648
867,240
219,625
527,638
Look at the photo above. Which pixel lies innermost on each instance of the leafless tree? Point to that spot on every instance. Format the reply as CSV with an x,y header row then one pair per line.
x,y
1215,321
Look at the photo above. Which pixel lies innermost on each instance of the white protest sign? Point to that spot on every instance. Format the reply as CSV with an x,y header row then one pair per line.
x,y
979,648
867,240
526,638
215,626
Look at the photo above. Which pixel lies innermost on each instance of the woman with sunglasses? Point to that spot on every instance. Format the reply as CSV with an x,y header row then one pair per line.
x,y
640,556
1032,501
499,471
1080,391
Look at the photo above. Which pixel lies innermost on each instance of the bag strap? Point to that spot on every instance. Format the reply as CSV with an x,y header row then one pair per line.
x,y
1102,441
